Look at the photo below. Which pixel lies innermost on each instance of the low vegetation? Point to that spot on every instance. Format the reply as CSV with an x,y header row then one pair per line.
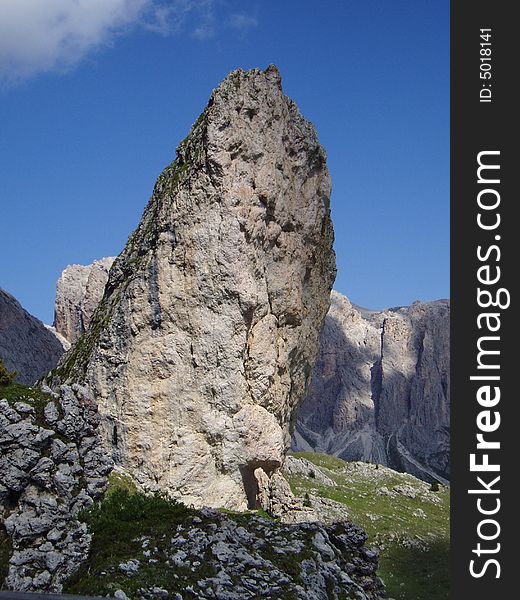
x,y
5,552
407,519
6,377
403,517
151,546
13,392
119,524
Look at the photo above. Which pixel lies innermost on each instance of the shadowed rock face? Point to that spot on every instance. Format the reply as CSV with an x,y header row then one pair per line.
x,y
27,346
380,388
78,292
52,467
205,338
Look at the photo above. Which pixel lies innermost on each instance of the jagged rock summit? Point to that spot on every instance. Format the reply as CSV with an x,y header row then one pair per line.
x,y
78,293
27,346
204,341
380,388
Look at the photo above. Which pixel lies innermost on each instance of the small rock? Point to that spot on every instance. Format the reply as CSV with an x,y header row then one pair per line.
x,y
406,490
130,567
322,546
24,408
51,413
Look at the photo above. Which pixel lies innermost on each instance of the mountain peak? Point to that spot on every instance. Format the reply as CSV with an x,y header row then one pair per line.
x,y
203,343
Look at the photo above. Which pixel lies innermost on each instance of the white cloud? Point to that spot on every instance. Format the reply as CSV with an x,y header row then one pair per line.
x,y
38,36
206,22
169,17
243,22
43,35
204,30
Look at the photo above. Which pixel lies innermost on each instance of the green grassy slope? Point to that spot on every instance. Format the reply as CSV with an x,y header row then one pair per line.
x,y
414,547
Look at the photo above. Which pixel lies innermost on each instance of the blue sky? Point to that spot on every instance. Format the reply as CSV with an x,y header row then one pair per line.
x,y
95,96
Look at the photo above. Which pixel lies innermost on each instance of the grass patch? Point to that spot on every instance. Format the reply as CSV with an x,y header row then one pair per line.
x,y
242,518
414,575
118,482
17,392
119,524
414,559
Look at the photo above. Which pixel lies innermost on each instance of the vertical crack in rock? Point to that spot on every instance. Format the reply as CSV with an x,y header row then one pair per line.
x,y
203,343
380,388
154,297
376,372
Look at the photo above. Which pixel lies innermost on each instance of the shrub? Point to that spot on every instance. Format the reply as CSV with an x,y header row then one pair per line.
x,y
6,377
434,486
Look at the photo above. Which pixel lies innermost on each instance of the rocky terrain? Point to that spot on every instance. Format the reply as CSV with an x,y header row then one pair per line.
x,y
63,530
380,388
148,547
52,467
78,293
191,353
407,519
203,343
339,413
27,346
391,409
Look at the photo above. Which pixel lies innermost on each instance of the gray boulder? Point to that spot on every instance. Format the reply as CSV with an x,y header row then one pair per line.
x,y
51,467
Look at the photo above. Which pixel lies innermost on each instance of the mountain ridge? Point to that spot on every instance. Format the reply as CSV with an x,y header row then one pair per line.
x,y
380,388
27,345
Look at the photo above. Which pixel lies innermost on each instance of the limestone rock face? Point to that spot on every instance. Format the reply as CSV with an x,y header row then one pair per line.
x,y
204,341
78,293
26,344
380,388
51,468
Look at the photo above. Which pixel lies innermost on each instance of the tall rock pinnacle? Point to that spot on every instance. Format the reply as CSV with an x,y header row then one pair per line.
x,y
204,341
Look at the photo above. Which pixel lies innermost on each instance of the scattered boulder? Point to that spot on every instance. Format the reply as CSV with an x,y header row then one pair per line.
x,y
211,555
302,466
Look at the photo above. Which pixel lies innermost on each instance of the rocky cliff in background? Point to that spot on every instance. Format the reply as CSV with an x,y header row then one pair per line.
x,y
339,414
27,346
204,341
78,293
380,388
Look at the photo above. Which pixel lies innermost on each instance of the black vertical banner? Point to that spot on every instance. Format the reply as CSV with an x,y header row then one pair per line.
x,y
485,256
